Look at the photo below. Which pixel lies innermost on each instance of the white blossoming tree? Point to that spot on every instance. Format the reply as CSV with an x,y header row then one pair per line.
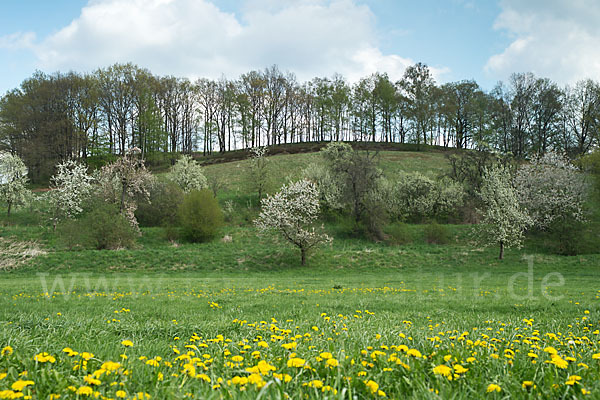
x,y
292,213
551,189
124,181
70,186
187,173
13,181
504,221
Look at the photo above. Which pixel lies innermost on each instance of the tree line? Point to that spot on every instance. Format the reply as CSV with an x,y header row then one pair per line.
x,y
54,117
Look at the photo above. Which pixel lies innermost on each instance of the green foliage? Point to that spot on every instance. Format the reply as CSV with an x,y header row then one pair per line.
x,y
436,234
160,209
102,228
398,233
200,216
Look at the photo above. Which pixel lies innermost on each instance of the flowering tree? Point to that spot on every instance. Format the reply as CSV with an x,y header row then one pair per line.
x,y
70,186
504,222
123,181
187,173
551,189
292,213
13,178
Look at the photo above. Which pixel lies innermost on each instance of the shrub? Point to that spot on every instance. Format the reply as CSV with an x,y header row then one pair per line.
x,y
436,234
102,228
187,173
200,216
398,233
161,209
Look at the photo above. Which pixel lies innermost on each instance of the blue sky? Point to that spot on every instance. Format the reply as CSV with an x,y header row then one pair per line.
x,y
485,40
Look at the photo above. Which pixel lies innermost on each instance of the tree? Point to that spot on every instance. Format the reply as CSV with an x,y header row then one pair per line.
x,y
504,222
292,213
123,181
70,186
551,189
259,169
357,176
418,84
187,173
13,178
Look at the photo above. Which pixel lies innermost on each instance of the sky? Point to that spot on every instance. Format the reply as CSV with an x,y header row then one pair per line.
x,y
484,40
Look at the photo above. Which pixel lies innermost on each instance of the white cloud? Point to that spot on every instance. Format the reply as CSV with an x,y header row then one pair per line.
x,y
195,38
19,40
557,39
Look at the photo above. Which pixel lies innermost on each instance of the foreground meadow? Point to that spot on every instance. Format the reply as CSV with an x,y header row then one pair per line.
x,y
519,331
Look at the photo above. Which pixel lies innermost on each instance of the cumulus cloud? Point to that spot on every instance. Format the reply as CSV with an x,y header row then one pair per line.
x,y
195,38
557,39
17,41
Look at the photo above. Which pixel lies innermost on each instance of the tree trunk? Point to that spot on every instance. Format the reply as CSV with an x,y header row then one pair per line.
x,y
303,255
9,207
501,256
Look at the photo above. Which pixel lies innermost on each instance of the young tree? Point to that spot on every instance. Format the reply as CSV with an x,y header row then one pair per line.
x,y
70,186
551,189
357,177
292,213
123,181
259,169
13,178
504,222
187,173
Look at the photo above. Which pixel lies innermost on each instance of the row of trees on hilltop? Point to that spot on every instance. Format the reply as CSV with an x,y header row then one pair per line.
x,y
50,118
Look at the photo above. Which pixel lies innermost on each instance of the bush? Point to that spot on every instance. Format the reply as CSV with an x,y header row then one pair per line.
x,y
436,234
398,233
102,228
200,216
161,209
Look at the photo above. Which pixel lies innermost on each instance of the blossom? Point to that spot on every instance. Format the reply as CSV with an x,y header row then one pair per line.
x,y
296,362
20,385
6,351
492,387
443,370
127,343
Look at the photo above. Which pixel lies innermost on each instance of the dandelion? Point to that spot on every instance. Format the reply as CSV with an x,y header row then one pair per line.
x,y
85,391
19,385
6,351
373,386
121,394
443,370
492,387
296,362
127,343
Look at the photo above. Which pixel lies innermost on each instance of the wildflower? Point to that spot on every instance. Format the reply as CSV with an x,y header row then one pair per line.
x,y
332,362
6,351
263,344
316,384
373,386
262,368
558,361
443,370
121,394
414,352
85,391
572,380
20,385
237,358
493,388
44,357
528,385
296,362
91,380
127,343
325,356
87,356
289,346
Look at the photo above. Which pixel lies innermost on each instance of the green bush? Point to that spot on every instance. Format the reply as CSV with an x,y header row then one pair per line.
x,y
200,216
162,205
101,228
436,234
398,233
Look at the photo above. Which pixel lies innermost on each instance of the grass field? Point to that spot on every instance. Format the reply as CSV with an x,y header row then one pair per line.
x,y
242,319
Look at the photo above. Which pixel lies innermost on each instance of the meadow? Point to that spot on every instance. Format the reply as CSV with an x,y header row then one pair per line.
x,y
243,319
